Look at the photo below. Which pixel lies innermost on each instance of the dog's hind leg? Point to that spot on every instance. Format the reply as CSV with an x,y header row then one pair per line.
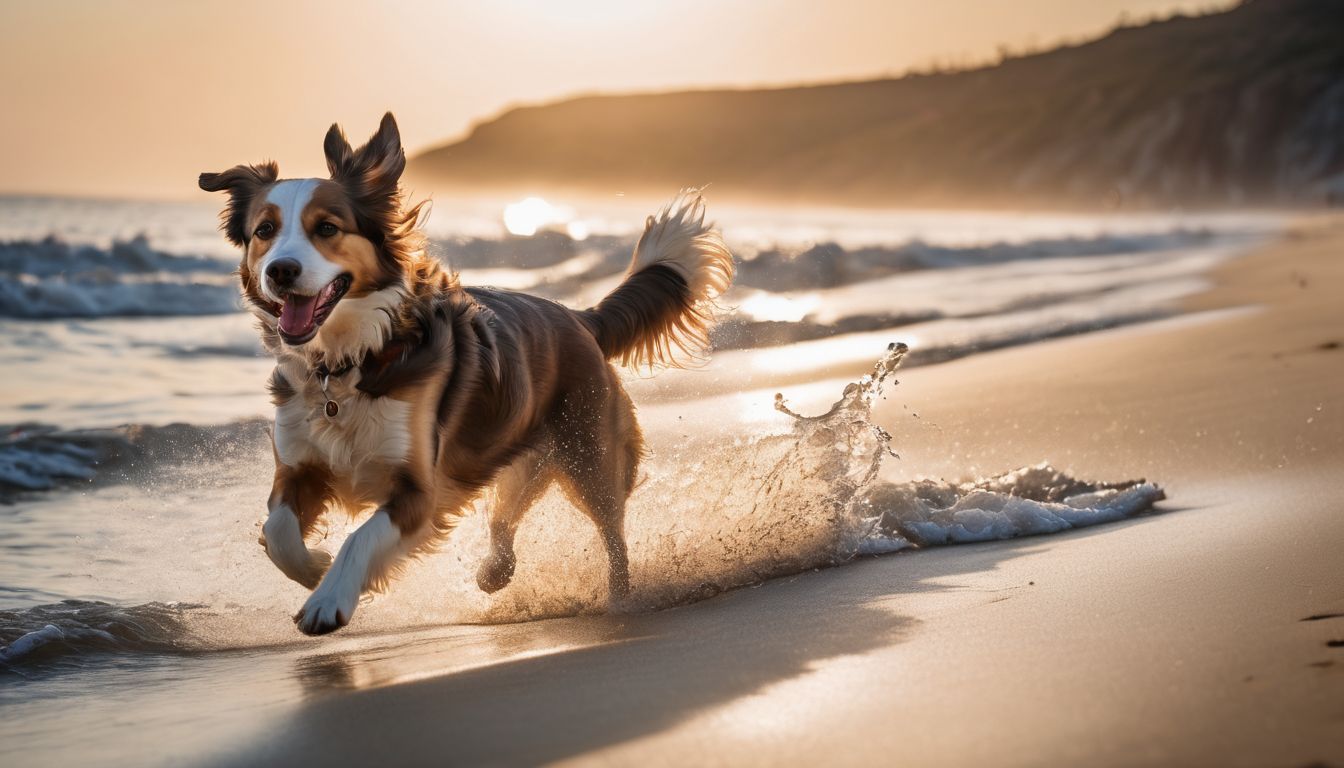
x,y
518,488
603,501
597,467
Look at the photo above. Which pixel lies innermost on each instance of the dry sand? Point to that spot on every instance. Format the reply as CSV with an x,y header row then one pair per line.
x,y
1174,639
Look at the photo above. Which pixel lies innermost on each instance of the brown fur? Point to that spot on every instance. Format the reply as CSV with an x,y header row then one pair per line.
x,y
503,389
653,299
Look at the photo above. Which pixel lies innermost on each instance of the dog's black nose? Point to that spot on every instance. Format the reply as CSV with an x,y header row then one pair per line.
x,y
283,272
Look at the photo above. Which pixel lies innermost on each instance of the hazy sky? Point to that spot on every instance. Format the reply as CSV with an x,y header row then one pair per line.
x,y
105,97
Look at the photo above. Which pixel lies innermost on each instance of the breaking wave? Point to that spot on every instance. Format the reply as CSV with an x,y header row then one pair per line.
x,y
49,633
45,279
829,265
36,457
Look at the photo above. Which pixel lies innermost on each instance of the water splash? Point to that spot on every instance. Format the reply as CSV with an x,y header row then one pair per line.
x,y
890,517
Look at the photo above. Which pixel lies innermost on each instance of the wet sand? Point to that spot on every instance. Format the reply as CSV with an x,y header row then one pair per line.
x,y
1172,639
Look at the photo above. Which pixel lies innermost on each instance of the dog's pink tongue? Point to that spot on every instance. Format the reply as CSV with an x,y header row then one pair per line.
x,y
296,316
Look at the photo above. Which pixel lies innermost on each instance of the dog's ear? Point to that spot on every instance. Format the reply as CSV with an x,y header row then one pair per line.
x,y
383,153
338,150
375,167
243,183
371,173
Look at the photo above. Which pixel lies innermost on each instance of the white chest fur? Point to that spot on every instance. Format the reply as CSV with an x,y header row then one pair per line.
x,y
366,436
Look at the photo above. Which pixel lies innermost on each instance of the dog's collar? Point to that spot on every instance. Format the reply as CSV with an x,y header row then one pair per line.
x,y
372,363
324,374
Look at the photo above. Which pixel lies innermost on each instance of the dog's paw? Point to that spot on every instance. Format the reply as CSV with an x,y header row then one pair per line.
x,y
626,605
327,610
495,574
285,547
319,560
623,601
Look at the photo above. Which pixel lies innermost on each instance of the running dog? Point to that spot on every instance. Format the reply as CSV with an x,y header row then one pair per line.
x,y
396,389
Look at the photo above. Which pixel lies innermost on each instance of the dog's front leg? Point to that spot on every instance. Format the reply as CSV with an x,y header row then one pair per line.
x,y
299,497
367,559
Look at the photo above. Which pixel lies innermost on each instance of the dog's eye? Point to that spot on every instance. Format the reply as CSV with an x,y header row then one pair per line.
x,y
265,230
327,229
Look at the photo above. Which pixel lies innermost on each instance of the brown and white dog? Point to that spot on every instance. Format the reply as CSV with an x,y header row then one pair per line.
x,y
398,390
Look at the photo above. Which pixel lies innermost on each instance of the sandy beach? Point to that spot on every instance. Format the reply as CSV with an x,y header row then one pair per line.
x,y
1206,633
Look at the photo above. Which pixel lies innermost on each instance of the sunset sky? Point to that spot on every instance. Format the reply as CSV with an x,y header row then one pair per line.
x,y
112,98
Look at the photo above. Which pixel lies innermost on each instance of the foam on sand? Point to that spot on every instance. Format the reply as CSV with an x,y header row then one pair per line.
x,y
1024,502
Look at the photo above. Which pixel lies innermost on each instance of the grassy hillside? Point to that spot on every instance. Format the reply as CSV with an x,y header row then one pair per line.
x,y
1245,106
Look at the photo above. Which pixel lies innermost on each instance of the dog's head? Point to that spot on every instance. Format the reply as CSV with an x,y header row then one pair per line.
x,y
324,251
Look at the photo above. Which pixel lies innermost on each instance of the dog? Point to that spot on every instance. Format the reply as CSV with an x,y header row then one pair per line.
x,y
397,389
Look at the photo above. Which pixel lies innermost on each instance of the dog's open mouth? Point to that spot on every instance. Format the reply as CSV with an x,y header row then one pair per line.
x,y
301,316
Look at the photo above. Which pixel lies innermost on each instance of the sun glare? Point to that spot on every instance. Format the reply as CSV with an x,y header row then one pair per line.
x,y
528,215
766,306
578,230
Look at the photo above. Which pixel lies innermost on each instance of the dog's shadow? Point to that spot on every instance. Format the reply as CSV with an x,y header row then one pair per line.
x,y
634,676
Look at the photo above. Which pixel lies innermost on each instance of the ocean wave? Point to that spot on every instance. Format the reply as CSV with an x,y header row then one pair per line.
x,y
46,279
37,461
36,457
62,298
47,634
738,331
53,257
829,265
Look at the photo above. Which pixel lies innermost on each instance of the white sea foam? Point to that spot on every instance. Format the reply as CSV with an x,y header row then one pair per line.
x,y
75,628
53,279
1038,500
38,464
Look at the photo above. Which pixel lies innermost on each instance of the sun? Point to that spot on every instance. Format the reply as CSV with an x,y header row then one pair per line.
x,y
528,215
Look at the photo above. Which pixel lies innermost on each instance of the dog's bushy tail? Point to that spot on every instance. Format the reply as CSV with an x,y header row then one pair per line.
x,y
661,314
